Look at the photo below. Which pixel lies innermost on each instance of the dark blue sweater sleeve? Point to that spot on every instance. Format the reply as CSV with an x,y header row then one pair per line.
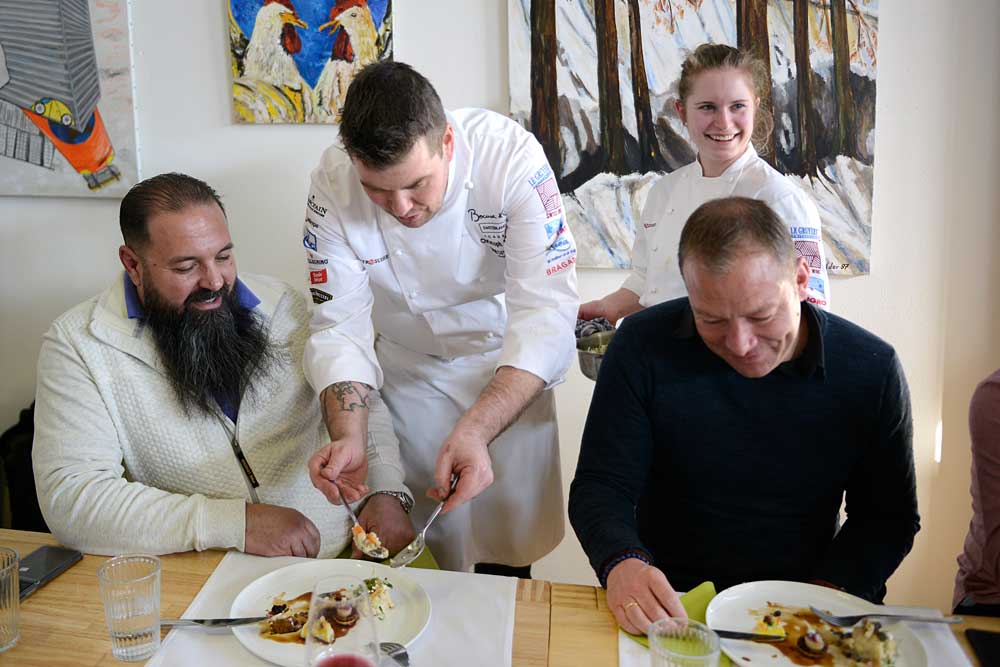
x,y
882,517
615,455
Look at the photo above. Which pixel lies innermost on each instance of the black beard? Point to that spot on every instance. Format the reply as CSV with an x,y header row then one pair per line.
x,y
209,354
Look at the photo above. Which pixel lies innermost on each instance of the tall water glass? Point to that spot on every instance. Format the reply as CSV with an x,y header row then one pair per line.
x,y
130,591
9,598
343,602
680,642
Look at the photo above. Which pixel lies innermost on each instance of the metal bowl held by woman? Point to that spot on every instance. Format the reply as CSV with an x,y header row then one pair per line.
x,y
590,350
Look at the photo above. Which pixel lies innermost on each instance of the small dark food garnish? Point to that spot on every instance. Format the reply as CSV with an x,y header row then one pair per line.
x,y
812,644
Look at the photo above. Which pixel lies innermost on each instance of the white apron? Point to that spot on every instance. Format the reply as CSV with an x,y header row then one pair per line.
x,y
520,517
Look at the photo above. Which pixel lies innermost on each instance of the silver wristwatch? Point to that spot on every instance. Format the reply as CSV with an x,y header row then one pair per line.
x,y
404,498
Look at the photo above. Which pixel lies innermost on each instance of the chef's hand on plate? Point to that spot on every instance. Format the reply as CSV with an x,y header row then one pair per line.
x,y
345,462
279,531
466,455
384,516
638,594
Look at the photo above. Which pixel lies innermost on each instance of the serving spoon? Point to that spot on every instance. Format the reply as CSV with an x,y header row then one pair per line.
x,y
410,552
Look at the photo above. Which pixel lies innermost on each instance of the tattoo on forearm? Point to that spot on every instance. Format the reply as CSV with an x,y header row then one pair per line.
x,y
347,397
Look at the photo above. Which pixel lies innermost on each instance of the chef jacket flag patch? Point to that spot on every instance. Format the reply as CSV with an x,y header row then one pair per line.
x,y
544,183
809,251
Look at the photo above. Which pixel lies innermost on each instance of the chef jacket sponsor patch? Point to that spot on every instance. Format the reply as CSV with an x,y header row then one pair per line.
x,y
544,183
319,296
561,265
555,228
561,254
312,223
804,233
318,260
375,260
317,277
809,251
492,228
817,284
309,241
316,208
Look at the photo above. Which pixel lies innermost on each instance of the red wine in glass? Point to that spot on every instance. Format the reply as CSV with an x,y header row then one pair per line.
x,y
344,660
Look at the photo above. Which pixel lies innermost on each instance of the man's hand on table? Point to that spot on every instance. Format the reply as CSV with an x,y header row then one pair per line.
x,y
638,594
279,531
344,461
465,454
384,515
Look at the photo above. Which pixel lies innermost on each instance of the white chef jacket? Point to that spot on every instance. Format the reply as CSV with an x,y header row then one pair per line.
x,y
491,277
655,276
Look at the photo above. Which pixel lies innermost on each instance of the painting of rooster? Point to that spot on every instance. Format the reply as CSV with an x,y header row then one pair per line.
x,y
292,60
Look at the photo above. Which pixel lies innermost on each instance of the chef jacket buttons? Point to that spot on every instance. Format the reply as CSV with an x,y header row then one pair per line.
x,y
413,294
655,248
398,252
490,335
469,185
652,290
670,210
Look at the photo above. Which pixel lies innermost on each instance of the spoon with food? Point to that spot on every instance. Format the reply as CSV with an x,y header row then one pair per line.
x,y
367,543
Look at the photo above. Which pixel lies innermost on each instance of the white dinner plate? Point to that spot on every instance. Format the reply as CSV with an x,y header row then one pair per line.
x,y
402,624
730,610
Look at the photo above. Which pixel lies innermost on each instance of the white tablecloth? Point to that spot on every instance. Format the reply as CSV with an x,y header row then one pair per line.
x,y
938,640
466,610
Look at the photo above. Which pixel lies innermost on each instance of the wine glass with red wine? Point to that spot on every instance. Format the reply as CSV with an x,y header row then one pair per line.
x,y
341,629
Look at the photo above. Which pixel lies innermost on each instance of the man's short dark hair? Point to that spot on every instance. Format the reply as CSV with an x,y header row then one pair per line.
x,y
164,193
722,230
388,108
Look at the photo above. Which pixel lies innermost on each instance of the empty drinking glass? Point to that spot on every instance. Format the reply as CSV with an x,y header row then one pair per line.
x,y
9,598
130,591
680,642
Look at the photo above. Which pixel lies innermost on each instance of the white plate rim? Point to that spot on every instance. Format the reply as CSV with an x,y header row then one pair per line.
x,y
254,597
742,597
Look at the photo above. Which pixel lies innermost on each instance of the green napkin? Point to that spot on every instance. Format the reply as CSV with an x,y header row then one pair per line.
x,y
695,603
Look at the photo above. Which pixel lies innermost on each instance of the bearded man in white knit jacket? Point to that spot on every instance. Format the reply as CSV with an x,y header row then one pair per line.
x,y
172,410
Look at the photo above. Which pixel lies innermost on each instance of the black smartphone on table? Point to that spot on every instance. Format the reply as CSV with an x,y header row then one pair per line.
x,y
43,565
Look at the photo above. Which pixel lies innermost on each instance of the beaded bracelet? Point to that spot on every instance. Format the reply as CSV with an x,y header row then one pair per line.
x,y
623,556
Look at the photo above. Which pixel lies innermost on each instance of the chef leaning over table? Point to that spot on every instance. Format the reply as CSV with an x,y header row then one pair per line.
x,y
443,275
172,413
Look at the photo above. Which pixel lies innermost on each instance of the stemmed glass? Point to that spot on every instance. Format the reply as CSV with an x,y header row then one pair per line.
x,y
341,626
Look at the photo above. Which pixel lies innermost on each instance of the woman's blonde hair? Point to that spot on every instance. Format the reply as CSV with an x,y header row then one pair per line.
x,y
722,56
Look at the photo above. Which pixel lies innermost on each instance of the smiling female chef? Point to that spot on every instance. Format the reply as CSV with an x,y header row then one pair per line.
x,y
719,91
443,274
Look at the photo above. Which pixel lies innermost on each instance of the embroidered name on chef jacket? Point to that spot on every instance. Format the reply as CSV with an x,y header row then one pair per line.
x,y
492,230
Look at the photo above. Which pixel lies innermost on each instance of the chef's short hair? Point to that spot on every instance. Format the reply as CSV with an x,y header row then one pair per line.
x,y
721,231
164,193
388,108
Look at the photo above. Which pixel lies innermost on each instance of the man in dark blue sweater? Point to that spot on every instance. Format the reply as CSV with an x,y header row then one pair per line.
x,y
726,427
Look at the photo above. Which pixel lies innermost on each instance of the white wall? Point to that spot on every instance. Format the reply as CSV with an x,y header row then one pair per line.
x,y
935,215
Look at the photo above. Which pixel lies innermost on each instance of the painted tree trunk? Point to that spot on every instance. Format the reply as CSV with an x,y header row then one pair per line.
x,y
544,92
845,138
803,77
649,146
752,35
612,131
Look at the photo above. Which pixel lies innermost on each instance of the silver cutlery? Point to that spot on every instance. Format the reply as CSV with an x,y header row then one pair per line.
x,y
392,649
396,651
850,620
410,552
750,636
211,622
379,553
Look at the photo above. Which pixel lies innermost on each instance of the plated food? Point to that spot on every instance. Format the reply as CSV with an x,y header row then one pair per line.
x,y
744,607
288,619
811,641
368,543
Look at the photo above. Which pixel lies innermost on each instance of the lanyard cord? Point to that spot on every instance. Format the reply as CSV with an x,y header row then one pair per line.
x,y
249,476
